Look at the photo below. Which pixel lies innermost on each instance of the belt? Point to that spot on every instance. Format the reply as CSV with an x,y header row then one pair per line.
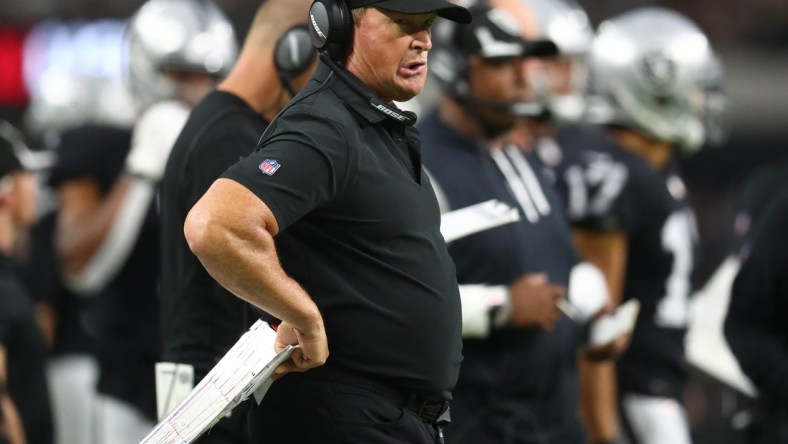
x,y
430,411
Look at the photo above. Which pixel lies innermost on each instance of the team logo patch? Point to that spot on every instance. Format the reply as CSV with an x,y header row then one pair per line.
x,y
660,71
269,166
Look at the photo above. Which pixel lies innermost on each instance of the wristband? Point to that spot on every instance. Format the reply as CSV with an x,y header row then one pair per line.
x,y
500,305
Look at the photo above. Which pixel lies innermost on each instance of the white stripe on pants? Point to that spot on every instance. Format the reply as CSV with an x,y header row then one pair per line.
x,y
656,420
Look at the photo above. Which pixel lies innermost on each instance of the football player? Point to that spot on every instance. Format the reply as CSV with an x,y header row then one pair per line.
x,y
650,100
107,228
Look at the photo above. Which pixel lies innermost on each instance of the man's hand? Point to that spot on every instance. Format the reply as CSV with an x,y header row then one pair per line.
x,y
611,350
533,301
313,350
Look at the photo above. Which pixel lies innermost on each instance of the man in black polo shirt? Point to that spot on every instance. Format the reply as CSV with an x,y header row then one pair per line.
x,y
332,227
518,381
25,410
200,319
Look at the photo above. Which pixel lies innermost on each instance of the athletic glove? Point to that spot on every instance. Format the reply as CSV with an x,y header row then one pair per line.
x,y
153,138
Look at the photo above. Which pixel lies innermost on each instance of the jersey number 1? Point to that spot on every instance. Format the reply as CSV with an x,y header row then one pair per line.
x,y
678,236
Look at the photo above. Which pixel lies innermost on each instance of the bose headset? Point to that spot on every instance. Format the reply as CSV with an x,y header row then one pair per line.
x,y
447,64
331,30
293,54
331,27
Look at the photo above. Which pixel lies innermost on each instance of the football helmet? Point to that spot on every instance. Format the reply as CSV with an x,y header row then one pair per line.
x,y
61,101
715,110
566,24
649,70
180,35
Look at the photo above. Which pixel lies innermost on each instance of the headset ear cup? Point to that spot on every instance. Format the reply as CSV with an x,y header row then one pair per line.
x,y
461,85
331,27
294,52
447,63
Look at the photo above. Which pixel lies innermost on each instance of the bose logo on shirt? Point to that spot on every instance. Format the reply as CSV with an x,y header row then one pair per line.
x,y
378,105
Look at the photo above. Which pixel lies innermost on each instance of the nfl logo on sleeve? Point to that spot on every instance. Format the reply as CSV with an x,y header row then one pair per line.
x,y
269,166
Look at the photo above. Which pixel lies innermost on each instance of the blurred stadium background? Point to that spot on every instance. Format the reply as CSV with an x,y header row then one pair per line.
x,y
46,44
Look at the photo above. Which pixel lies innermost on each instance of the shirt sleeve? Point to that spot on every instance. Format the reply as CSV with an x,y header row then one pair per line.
x,y
210,159
295,171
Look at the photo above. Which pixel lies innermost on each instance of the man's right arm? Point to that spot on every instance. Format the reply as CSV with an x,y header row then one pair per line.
x,y
231,231
608,251
529,302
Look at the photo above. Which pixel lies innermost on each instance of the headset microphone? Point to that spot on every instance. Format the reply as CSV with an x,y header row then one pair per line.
x,y
527,109
517,109
405,117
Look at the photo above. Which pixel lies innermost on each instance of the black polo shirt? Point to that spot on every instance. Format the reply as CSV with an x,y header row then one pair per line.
x,y
360,231
530,368
26,356
201,320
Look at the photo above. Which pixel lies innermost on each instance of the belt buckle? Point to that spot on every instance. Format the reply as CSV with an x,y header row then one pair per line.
x,y
420,410
432,410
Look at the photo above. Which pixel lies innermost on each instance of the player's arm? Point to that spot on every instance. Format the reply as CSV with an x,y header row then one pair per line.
x,y
11,429
95,233
83,221
598,403
607,250
530,301
231,231
46,316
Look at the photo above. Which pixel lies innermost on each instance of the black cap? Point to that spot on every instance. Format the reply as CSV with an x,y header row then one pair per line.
x,y
16,156
444,8
495,34
8,160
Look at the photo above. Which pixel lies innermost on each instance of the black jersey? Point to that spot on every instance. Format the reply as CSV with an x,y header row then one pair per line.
x,y
201,320
123,317
756,321
360,231
26,357
611,189
531,369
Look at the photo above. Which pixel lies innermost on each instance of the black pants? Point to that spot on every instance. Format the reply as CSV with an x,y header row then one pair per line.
x,y
300,408
771,422
483,416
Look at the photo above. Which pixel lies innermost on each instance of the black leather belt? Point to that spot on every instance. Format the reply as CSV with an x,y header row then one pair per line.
x,y
430,411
